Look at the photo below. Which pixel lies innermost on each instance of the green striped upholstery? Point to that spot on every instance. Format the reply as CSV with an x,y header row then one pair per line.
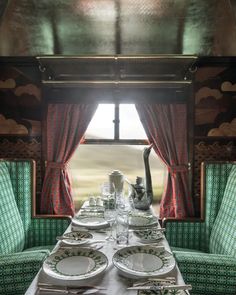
x,y
11,228
37,235
196,235
216,235
38,231
21,179
186,235
43,231
216,179
208,274
40,248
223,234
17,270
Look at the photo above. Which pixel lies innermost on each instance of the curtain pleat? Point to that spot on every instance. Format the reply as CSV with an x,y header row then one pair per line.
x,y
166,128
65,127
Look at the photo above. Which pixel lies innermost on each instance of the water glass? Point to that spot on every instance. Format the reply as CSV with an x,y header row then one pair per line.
x,y
122,228
110,216
108,197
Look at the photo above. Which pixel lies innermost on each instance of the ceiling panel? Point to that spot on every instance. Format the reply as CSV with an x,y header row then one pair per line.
x,y
109,27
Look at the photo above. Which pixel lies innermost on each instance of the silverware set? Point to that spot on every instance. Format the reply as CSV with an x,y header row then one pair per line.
x,y
61,238
162,287
145,229
73,290
159,284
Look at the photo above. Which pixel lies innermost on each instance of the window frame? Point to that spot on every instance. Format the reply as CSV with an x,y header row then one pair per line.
x,y
116,134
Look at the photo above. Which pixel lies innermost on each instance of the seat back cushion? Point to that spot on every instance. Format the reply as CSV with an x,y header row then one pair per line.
x,y
21,174
216,177
223,235
12,236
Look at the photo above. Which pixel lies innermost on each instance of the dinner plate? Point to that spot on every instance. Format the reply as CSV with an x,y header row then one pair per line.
x,y
77,237
75,263
90,221
142,220
143,261
149,235
166,292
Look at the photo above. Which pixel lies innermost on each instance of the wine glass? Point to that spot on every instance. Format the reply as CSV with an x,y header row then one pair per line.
x,y
110,215
105,189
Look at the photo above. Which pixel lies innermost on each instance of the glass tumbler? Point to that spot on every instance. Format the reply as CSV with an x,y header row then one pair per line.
x,y
122,228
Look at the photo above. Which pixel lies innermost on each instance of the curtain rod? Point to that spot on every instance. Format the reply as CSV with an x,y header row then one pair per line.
x,y
118,83
117,57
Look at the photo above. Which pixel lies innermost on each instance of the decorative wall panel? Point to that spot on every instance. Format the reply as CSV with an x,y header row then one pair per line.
x,y
215,102
210,151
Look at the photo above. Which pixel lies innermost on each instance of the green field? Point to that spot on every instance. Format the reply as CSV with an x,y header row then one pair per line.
x,y
91,164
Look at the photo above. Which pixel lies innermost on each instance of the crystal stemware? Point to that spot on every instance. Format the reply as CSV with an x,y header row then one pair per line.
x,y
110,215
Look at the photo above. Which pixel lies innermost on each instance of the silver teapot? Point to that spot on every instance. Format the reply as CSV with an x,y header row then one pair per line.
x,y
141,194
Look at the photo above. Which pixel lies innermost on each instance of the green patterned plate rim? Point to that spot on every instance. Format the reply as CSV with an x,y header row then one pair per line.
x,y
142,220
149,235
76,263
83,235
165,292
143,261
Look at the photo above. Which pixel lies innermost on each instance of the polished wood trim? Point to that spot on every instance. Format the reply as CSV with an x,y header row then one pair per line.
x,y
173,219
117,141
50,216
120,84
203,190
190,137
117,56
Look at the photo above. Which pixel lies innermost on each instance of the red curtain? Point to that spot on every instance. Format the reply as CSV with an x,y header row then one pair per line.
x,y
166,128
65,127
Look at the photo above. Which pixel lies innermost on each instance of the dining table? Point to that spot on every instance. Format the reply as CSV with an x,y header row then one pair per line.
x,y
111,280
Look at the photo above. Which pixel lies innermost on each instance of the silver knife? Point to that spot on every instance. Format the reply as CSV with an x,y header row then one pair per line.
x,y
85,290
168,280
147,229
158,288
47,285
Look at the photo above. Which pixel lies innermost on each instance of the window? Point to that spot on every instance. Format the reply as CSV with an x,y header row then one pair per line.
x,y
114,139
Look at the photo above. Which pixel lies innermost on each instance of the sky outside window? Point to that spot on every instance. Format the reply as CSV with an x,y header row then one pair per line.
x,y
102,126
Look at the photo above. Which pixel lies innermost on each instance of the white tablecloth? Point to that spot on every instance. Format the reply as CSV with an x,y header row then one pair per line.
x,y
114,283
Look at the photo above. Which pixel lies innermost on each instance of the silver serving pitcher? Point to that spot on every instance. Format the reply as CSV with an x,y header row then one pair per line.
x,y
141,192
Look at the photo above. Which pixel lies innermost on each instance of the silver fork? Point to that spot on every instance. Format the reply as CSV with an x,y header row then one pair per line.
x,y
44,287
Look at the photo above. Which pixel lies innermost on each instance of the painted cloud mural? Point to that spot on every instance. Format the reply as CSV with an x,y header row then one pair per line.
x,y
7,84
225,129
10,126
228,86
28,89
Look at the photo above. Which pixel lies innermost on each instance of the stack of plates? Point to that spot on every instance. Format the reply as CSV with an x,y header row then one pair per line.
x,y
92,221
143,261
142,220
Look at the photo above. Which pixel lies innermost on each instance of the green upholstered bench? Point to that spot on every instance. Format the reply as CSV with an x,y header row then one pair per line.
x,y
205,249
25,241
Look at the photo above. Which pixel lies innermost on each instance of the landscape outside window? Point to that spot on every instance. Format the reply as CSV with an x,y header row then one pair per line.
x,y
91,163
